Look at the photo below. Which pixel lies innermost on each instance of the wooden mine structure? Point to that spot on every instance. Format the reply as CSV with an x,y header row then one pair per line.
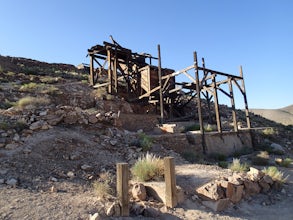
x,y
135,77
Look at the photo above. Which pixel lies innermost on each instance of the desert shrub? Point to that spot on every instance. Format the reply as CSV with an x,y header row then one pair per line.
x,y
148,167
262,158
269,131
285,162
29,87
32,101
9,73
102,186
145,141
40,88
275,174
49,79
237,166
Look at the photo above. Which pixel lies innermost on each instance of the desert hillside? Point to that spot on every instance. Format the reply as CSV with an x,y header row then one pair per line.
x,y
61,140
283,115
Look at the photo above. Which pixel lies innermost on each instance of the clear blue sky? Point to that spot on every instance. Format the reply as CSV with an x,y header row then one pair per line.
x,y
257,34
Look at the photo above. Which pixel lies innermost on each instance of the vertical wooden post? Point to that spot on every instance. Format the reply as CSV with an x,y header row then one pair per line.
x,y
115,73
170,182
109,71
198,99
91,70
245,99
207,93
233,105
122,187
219,125
160,84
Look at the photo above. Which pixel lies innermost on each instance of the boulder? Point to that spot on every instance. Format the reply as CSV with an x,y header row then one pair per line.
x,y
268,179
37,125
71,117
211,191
254,174
251,188
12,182
277,148
234,192
138,191
92,119
157,190
265,187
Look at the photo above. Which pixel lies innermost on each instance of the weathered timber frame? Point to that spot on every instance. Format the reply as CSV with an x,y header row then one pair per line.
x,y
121,65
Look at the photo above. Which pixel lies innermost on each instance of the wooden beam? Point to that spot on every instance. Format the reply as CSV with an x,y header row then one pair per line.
x,y
233,106
170,181
198,99
178,72
91,79
245,100
160,85
220,73
204,83
122,187
218,118
109,72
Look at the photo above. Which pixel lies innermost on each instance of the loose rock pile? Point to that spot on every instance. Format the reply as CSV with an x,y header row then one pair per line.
x,y
220,193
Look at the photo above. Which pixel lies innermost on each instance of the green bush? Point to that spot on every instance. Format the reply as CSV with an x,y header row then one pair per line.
x,y
145,142
148,167
285,162
237,166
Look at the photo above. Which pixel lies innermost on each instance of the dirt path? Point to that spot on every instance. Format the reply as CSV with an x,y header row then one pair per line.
x,y
45,191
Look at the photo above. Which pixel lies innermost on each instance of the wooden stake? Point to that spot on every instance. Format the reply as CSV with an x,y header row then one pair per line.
x,y
122,187
170,181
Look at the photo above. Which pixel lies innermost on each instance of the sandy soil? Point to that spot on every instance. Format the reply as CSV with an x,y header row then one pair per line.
x,y
45,191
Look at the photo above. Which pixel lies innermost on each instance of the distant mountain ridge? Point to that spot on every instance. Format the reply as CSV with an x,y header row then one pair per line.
x,y
282,115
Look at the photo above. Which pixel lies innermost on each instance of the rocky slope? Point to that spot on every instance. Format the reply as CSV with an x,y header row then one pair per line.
x,y
58,136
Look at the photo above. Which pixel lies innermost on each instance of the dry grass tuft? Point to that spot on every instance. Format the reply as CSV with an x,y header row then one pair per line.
x,y
148,167
32,102
237,166
275,174
102,186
